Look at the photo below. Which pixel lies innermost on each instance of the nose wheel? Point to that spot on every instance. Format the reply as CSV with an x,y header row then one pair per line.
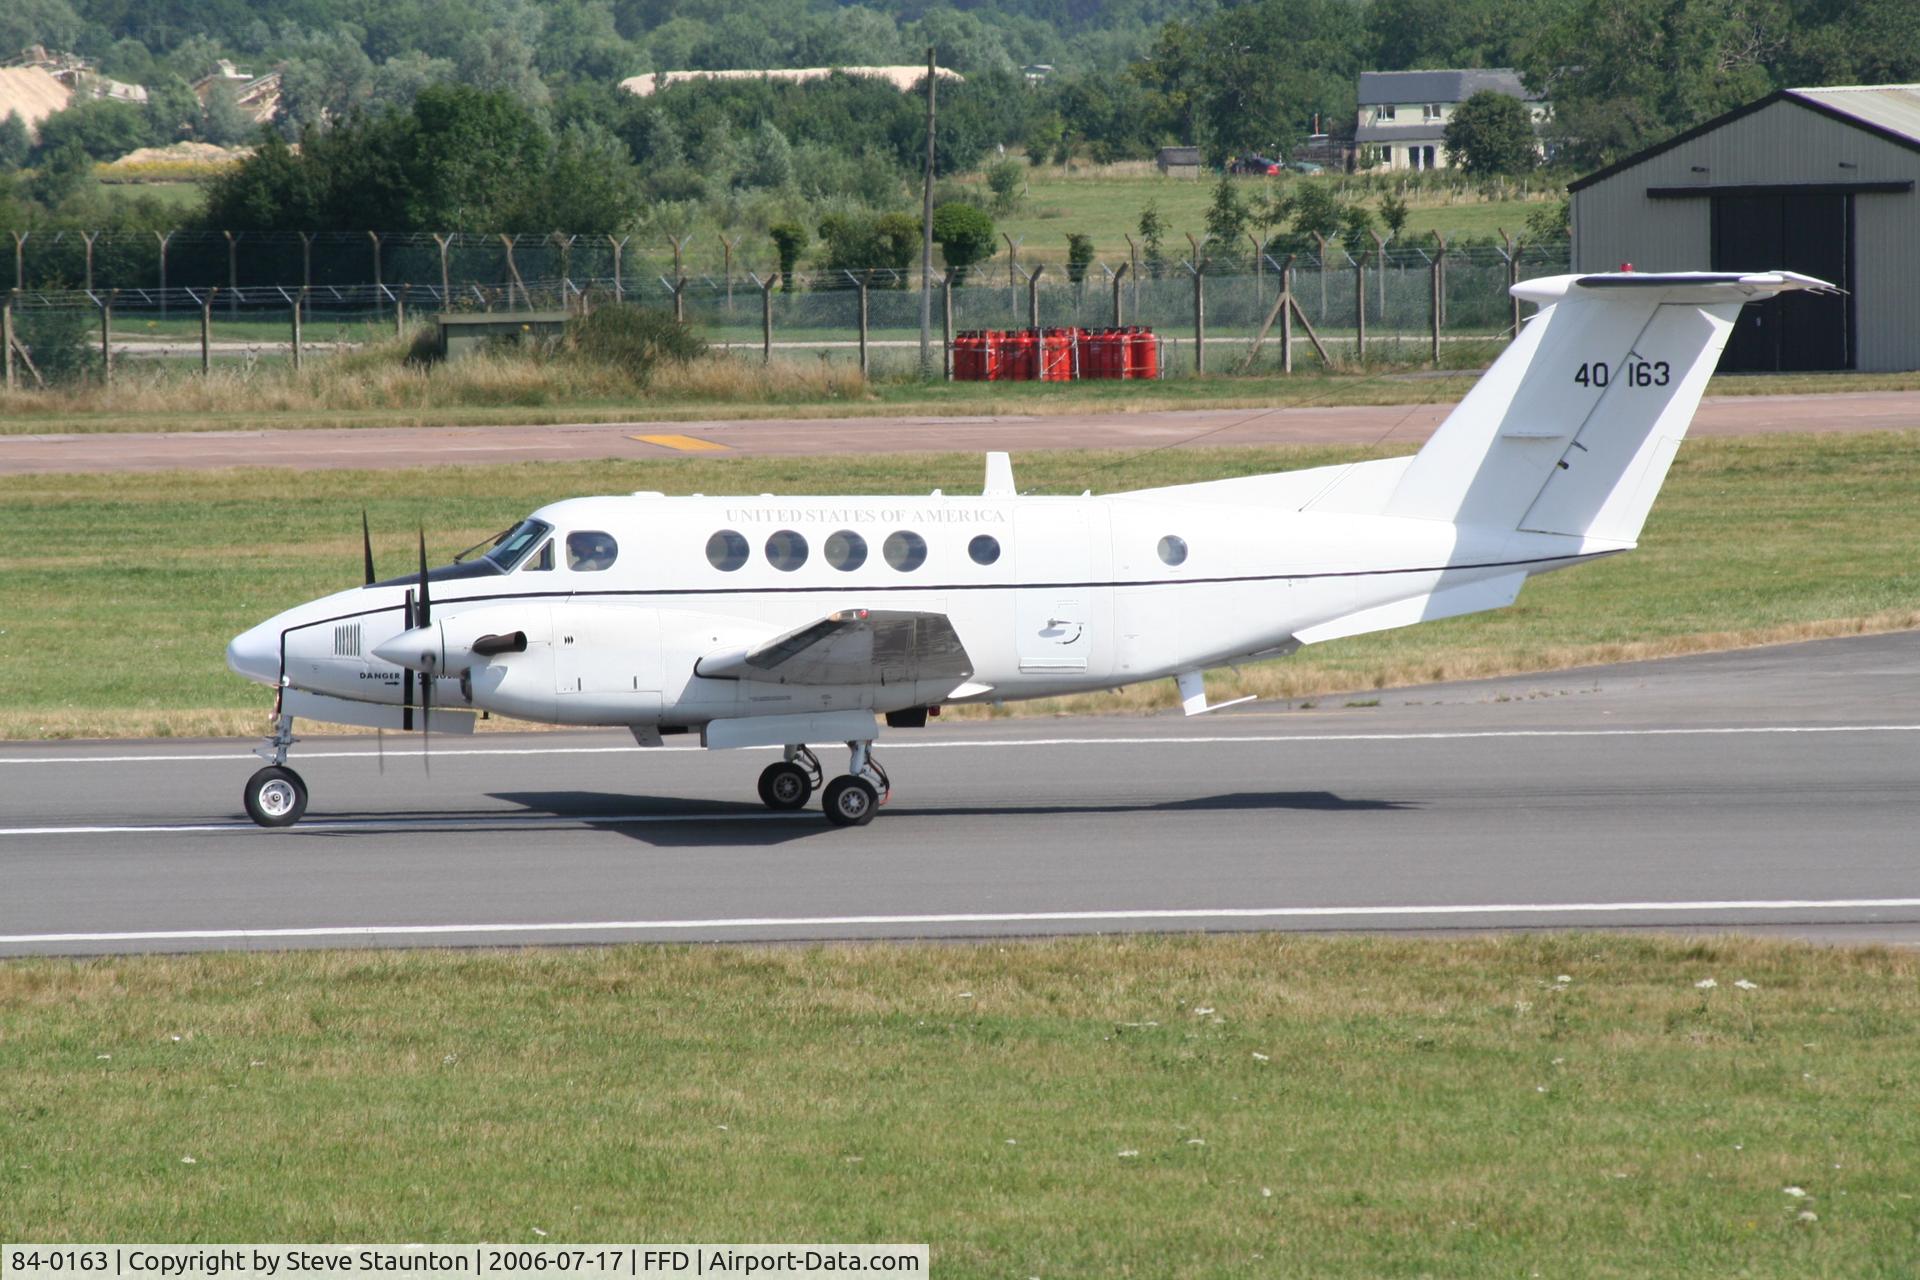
x,y
276,796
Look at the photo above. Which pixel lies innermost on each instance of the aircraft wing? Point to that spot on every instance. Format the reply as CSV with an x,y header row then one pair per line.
x,y
853,646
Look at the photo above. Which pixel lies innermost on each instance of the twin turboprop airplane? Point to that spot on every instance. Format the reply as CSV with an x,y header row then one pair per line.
x,y
778,622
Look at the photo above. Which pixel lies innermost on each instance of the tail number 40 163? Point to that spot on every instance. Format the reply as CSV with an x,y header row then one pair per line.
x,y
1639,373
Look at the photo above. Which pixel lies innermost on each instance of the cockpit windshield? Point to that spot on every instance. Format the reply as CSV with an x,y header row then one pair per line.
x,y
513,545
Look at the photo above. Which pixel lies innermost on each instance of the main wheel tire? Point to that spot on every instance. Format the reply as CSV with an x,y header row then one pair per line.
x,y
850,801
785,786
276,796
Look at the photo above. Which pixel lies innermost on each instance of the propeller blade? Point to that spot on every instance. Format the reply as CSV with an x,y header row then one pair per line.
x,y
366,544
406,675
426,607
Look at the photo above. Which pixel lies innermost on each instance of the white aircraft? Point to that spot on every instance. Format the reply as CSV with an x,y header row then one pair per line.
x,y
778,622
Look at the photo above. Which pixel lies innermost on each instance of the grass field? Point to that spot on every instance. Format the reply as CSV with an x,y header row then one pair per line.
x,y
122,592
1108,207
1571,1105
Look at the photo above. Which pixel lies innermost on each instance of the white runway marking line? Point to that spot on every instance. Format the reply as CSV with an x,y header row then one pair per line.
x,y
893,745
978,917
400,822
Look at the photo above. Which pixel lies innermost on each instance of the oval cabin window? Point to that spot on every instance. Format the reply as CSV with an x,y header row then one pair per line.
x,y
726,550
846,551
905,551
1173,550
984,549
786,551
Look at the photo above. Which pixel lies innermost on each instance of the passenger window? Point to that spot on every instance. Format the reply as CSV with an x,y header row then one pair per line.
x,y
541,560
984,549
726,551
1173,550
846,551
591,551
786,551
905,551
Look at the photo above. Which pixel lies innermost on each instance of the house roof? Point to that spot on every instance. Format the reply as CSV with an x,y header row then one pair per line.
x,y
902,78
1888,111
1378,88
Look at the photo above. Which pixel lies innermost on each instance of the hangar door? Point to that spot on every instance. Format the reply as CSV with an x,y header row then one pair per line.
x,y
1811,233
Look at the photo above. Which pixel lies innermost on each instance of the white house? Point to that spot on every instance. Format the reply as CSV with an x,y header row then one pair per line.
x,y
1404,114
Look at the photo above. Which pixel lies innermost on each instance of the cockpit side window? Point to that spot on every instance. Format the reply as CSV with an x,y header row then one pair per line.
x,y
541,560
590,550
516,542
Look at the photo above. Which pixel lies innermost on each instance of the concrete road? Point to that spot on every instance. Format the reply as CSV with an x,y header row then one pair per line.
x,y
1776,788
1405,426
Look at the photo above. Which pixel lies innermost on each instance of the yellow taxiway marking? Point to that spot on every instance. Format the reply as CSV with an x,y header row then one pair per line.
x,y
685,444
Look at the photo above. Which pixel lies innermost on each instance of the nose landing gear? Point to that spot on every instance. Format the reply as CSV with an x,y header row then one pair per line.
x,y
276,796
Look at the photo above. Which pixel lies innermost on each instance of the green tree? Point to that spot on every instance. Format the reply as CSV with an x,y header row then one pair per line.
x,y
1492,132
1004,180
857,242
1551,221
60,175
60,339
1227,220
789,238
1043,134
591,186
171,110
965,235
14,143
103,128
1153,233
1393,212
769,158
1079,256
1356,230
223,121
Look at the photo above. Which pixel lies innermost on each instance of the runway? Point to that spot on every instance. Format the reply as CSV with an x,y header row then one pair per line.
x,y
1401,425
1775,788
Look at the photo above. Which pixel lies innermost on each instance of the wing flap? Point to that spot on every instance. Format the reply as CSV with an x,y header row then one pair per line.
x,y
853,646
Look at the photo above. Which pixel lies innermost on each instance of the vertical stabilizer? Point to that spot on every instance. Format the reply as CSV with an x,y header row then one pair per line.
x,y
1573,428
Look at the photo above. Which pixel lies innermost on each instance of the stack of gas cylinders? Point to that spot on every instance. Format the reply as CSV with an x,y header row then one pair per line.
x,y
1055,355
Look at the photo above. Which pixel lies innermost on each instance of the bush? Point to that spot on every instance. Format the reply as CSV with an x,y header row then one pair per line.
x,y
965,235
633,339
61,341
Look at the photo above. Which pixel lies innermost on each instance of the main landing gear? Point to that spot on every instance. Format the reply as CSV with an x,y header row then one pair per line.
x,y
276,796
850,800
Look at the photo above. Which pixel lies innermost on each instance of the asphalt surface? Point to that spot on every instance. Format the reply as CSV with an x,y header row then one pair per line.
x,y
1768,789
1399,425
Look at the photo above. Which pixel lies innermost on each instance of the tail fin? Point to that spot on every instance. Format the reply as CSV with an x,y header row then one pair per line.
x,y
1573,428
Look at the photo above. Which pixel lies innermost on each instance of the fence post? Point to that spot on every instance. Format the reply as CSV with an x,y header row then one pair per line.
x,y
163,237
400,312
20,259
299,301
1360,310
306,268
863,282
1286,316
678,245
6,336
680,299
1433,276
89,237
766,314
946,326
374,236
1199,273
1118,277
106,339
1033,295
1440,263
726,248
446,278
206,332
619,288
1513,280
233,271
513,272
1322,242
1259,266
1133,261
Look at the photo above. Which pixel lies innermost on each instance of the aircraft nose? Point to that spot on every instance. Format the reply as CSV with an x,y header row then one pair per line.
x,y
255,654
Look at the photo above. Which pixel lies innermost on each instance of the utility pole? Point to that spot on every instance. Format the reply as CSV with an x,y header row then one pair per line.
x,y
926,236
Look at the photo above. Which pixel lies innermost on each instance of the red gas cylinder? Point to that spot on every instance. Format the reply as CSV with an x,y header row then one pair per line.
x,y
966,355
1055,350
1145,351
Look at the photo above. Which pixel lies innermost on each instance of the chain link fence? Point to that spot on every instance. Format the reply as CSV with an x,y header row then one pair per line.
x,y
256,296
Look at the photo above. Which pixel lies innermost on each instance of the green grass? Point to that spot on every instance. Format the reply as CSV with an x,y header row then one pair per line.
x,y
1164,1107
123,591
1107,207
